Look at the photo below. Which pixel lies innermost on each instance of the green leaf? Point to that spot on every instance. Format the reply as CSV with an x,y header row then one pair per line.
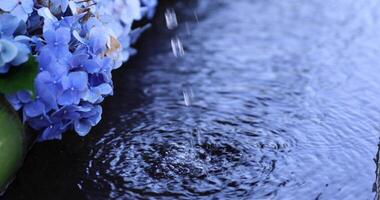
x,y
20,78
11,144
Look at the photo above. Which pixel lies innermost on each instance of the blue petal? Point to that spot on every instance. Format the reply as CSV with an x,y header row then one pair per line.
x,y
98,41
57,70
62,53
77,60
49,19
104,89
52,132
91,66
8,51
95,119
82,127
63,35
69,97
79,80
22,55
19,12
34,109
67,112
49,36
8,5
8,25
44,59
70,20
24,96
4,68
39,122
62,3
46,90
14,101
27,5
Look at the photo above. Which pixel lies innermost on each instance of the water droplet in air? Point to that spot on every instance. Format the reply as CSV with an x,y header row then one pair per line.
x,y
187,28
171,19
196,16
177,47
188,96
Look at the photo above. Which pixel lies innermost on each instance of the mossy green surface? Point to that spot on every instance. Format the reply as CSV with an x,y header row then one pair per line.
x,y
11,144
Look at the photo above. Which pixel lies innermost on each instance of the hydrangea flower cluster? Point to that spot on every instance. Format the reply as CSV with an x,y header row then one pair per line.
x,y
77,44
13,46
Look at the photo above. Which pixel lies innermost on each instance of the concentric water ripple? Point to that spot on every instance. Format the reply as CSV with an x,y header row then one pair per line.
x,y
177,161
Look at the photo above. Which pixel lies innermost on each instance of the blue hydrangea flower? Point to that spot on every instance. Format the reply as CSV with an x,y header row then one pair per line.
x,y
8,52
48,88
77,45
18,8
57,42
31,107
90,116
74,86
13,50
12,53
8,25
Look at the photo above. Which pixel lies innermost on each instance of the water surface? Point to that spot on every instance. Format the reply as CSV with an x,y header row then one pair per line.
x,y
282,102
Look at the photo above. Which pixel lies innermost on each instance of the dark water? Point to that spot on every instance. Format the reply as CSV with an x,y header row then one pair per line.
x,y
286,106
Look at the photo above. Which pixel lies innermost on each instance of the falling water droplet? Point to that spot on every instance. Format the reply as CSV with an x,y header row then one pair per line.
x,y
196,16
187,28
171,19
177,47
188,96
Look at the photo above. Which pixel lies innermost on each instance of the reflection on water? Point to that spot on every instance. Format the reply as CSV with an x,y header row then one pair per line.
x,y
284,104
